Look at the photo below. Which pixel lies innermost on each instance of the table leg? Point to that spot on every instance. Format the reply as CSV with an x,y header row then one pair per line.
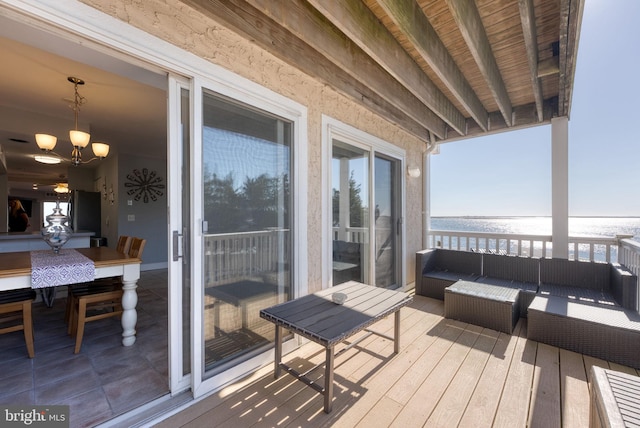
x,y
328,380
396,332
278,356
129,302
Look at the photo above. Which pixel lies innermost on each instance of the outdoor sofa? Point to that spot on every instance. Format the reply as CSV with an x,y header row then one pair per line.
x,y
587,307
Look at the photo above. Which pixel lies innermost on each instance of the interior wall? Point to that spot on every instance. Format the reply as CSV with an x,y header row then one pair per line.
x,y
136,217
106,178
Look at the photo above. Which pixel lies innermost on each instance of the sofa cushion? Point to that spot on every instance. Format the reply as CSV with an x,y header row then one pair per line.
x,y
517,268
573,273
578,294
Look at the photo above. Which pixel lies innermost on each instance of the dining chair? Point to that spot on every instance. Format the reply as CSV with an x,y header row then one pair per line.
x,y
124,243
15,305
100,302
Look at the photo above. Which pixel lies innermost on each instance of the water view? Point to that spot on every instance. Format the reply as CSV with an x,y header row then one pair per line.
x,y
578,227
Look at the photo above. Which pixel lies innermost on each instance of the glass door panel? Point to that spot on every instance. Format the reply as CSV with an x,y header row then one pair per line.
x,y
247,265
387,222
350,201
186,231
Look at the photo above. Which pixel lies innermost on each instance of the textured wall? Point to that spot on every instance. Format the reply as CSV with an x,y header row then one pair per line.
x,y
186,28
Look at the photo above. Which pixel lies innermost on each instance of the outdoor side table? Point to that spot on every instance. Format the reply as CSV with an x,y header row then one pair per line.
x,y
319,319
615,399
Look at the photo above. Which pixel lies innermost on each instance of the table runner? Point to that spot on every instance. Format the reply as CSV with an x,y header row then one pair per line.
x,y
68,267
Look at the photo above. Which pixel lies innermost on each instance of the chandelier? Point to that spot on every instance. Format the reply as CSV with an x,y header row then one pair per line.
x,y
79,139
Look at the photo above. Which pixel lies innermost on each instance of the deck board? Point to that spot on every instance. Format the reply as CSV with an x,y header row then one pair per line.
x,y
447,373
544,410
574,389
482,406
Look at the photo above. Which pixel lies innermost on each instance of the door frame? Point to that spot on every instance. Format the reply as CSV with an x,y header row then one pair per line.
x,y
336,129
77,22
288,110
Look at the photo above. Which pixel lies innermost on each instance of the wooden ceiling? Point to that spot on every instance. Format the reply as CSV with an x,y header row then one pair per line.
x,y
440,69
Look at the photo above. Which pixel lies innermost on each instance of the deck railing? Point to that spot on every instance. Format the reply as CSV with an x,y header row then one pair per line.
x,y
629,255
230,256
603,249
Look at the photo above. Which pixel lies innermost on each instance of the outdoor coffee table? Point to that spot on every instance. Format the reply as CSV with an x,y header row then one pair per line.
x,y
319,319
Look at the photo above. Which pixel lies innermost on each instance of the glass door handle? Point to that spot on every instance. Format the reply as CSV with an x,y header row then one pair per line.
x,y
176,246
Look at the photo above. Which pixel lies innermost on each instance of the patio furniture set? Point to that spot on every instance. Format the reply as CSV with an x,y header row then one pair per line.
x,y
587,307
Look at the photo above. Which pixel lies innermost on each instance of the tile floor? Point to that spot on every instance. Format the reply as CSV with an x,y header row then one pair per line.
x,y
105,379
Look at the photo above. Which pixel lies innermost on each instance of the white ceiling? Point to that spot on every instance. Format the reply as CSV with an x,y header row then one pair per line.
x,y
125,104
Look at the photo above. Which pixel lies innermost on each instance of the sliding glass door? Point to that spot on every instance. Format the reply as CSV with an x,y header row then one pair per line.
x,y
246,201
366,242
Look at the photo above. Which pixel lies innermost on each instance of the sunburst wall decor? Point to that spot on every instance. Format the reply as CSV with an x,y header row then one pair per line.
x,y
144,185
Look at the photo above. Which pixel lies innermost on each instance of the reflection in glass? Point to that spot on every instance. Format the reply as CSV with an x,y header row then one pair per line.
x,y
386,223
350,202
247,206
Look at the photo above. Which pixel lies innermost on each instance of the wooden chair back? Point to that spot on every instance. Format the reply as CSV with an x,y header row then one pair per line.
x,y
136,248
124,243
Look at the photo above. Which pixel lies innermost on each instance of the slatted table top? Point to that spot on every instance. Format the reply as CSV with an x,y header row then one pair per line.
x,y
317,318
619,397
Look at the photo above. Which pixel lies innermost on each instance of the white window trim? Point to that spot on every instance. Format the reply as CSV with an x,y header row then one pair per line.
x,y
335,129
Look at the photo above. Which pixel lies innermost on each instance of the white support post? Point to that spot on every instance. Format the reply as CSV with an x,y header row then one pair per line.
x,y
426,200
560,187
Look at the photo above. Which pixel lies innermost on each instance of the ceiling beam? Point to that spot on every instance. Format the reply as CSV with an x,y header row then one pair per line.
x,y
570,22
306,23
410,19
524,116
470,24
528,19
269,35
356,20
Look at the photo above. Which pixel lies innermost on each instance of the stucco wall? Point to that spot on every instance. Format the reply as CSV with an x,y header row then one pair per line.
x,y
184,27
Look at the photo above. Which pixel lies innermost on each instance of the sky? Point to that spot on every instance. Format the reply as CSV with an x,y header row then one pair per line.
x,y
509,174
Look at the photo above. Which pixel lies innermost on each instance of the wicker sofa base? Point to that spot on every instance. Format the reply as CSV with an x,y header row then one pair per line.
x,y
610,333
485,305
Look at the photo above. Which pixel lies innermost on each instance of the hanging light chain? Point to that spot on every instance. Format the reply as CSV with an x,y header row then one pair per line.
x,y
78,99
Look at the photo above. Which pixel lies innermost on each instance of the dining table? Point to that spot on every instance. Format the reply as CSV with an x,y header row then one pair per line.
x,y
16,273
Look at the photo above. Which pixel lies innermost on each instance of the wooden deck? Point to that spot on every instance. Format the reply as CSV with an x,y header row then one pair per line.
x,y
447,374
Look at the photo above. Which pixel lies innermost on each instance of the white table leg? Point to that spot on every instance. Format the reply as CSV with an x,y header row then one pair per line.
x,y
129,302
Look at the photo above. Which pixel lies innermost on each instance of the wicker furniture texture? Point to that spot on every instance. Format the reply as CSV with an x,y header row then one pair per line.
x,y
615,399
606,282
436,269
587,307
520,273
608,332
486,305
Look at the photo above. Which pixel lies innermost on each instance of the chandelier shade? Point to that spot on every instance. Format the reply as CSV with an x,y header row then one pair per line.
x,y
101,150
46,141
79,139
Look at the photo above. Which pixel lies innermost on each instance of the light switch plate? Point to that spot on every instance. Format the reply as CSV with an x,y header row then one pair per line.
x,y
131,217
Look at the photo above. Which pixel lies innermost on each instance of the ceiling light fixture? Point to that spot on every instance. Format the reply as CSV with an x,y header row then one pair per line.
x,y
79,139
51,160
62,188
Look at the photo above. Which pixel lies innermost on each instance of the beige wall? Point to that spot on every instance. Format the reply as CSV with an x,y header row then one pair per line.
x,y
186,28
